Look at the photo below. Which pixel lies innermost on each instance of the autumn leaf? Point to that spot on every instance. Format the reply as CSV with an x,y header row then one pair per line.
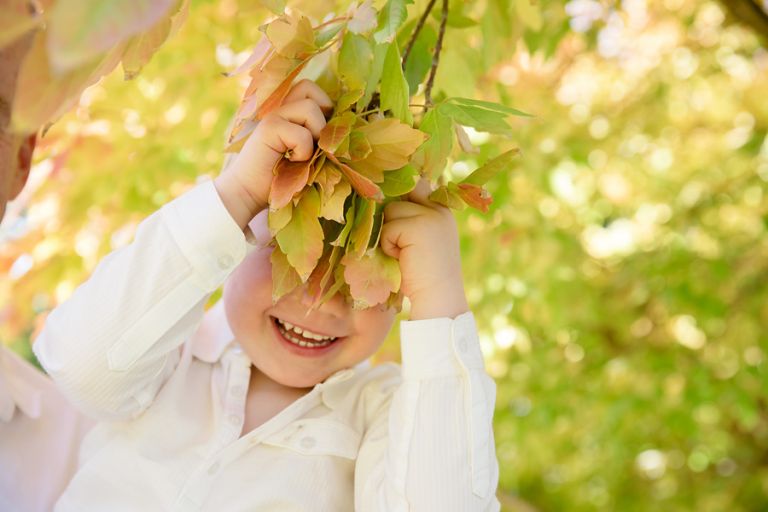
x,y
81,30
333,207
362,185
288,180
284,277
392,144
482,174
448,196
260,52
348,99
394,88
291,36
277,219
371,278
302,238
16,21
362,228
335,131
327,178
349,216
41,97
377,67
278,95
143,46
475,196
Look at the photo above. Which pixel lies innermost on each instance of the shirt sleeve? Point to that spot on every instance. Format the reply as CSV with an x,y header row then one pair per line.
x,y
113,343
431,446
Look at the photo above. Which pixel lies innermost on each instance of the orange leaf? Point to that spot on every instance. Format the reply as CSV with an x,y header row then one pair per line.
x,y
335,131
475,196
360,183
372,278
278,95
289,179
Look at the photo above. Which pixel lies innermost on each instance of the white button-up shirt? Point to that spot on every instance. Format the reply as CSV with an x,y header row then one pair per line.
x,y
133,348
40,434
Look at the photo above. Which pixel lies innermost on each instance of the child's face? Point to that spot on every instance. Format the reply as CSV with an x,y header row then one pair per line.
x,y
251,315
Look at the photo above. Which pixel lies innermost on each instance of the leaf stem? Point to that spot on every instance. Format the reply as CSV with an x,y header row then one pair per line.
x,y
416,31
331,22
436,55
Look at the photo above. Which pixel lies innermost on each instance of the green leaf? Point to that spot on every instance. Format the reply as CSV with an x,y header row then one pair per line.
x,y
487,105
391,17
420,58
377,67
482,174
355,60
448,195
394,88
479,118
434,152
79,31
302,238
400,181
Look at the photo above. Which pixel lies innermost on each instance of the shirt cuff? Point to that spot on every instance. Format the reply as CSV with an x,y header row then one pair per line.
x,y
206,233
440,347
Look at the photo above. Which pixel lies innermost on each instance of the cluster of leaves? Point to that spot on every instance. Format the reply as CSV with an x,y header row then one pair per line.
x,y
75,43
325,214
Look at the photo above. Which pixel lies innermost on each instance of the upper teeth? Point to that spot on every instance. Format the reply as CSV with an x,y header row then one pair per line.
x,y
306,333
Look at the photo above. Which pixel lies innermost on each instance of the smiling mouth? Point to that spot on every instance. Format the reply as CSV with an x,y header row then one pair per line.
x,y
304,339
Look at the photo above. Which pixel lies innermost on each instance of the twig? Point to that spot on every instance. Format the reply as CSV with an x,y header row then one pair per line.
x,y
436,55
416,31
331,22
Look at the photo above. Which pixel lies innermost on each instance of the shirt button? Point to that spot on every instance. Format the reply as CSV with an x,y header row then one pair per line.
x,y
308,442
225,261
214,468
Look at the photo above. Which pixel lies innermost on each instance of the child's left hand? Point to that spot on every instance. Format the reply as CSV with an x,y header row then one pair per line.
x,y
423,236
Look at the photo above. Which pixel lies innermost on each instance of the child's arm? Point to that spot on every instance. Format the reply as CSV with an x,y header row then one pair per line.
x,y
431,447
113,343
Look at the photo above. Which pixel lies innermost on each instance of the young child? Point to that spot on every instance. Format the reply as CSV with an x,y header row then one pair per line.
x,y
224,410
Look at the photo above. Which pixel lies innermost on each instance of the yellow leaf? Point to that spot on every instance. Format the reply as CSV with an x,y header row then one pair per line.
x,y
284,277
333,207
302,238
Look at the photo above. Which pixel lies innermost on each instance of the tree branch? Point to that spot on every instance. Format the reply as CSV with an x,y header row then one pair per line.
x,y
436,55
416,31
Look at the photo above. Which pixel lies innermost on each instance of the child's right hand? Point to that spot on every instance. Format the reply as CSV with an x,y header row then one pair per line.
x,y
244,185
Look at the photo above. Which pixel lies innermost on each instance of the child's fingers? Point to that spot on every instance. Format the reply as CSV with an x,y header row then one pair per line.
x,y
309,89
394,237
281,135
304,112
420,193
403,209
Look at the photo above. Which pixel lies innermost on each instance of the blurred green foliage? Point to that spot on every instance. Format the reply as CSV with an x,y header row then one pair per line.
x,y
619,279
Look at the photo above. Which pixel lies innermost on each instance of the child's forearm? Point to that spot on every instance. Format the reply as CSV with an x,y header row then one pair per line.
x,y
433,447
449,301
241,205
109,346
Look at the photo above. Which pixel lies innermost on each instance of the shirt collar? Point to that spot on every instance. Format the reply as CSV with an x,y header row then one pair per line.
x,y
16,387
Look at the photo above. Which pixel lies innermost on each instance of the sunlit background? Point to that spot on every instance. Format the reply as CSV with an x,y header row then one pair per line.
x,y
619,279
